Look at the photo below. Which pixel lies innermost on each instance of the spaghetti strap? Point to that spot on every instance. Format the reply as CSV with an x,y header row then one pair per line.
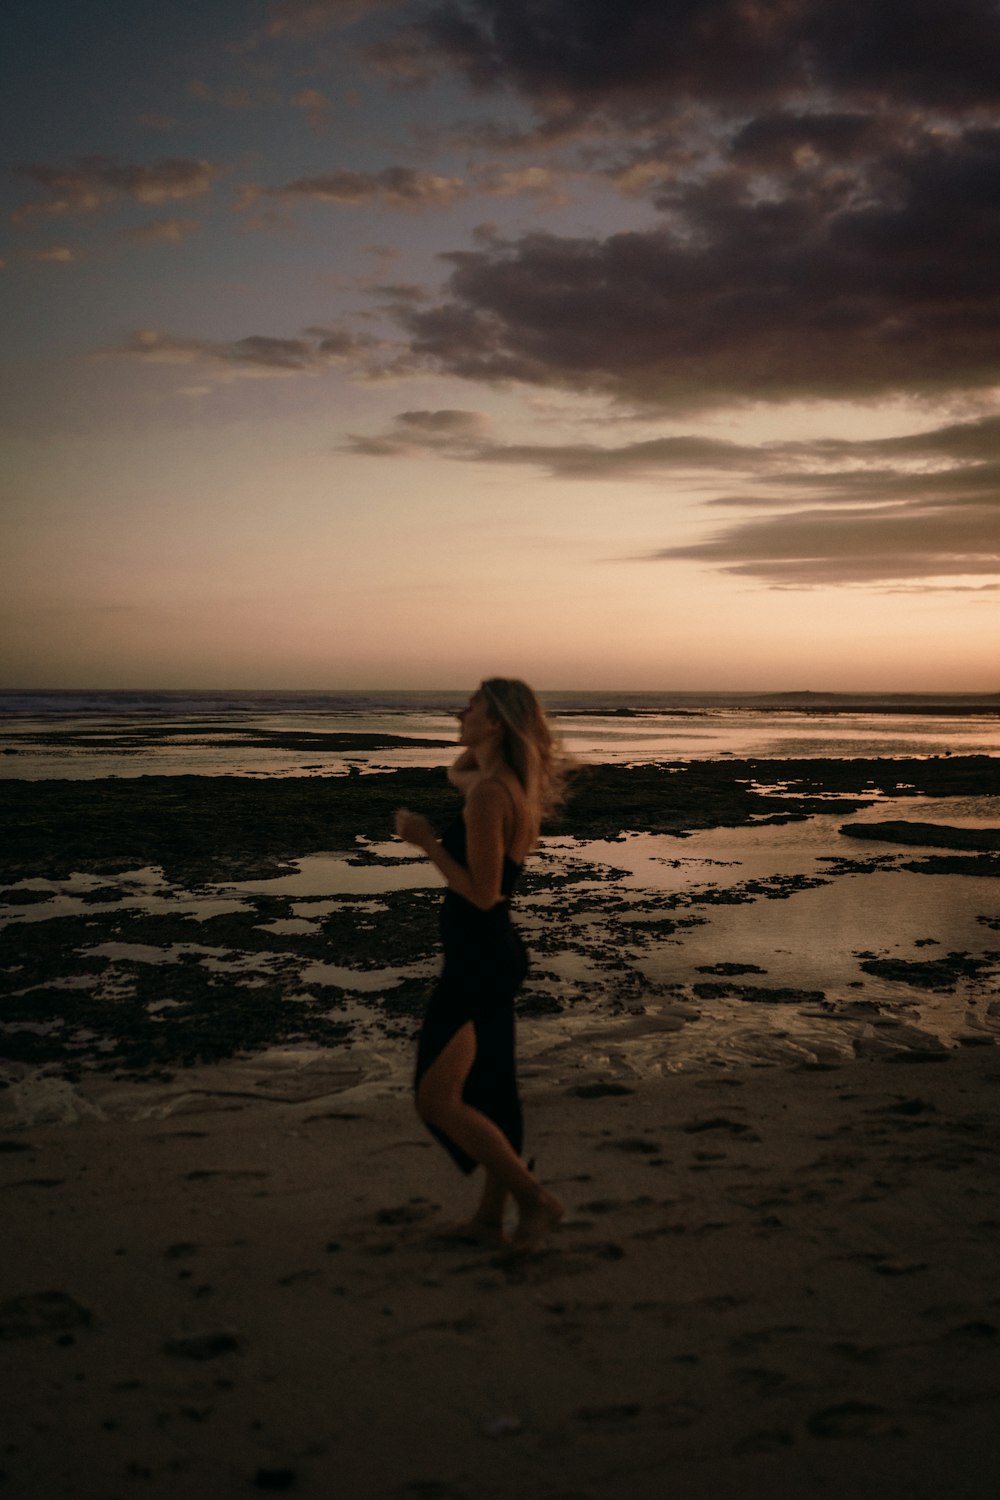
x,y
516,810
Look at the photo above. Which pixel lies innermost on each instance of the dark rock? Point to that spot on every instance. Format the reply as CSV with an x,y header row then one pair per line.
x,y
927,835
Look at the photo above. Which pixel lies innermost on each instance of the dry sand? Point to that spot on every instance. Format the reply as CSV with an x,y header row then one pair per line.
x,y
773,1282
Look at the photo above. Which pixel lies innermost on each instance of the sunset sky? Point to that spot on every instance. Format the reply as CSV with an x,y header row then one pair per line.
x,y
645,344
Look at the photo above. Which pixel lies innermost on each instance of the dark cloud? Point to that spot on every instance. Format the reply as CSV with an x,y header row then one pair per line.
x,y
826,175
96,180
827,286
778,139
636,59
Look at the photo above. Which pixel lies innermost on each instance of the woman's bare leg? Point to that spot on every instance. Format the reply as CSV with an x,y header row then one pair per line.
x,y
440,1103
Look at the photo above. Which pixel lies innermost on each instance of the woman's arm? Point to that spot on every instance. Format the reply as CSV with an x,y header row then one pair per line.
x,y
480,881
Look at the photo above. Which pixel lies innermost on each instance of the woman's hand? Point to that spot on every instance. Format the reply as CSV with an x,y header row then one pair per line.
x,y
413,828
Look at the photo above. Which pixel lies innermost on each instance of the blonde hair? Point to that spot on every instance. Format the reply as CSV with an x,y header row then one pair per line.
x,y
529,747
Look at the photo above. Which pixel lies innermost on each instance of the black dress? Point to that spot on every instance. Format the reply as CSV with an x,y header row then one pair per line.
x,y
484,966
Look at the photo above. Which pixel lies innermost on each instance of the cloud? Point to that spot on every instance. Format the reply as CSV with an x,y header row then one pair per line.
x,y
923,505
408,187
297,20
405,293
470,441
827,546
451,431
820,287
398,187
257,354
159,231
782,138
96,180
448,422
54,255
234,97
638,60
315,106
824,176
929,509
499,181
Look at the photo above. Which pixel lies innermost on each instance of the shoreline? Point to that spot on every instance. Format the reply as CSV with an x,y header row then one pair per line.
x,y
809,908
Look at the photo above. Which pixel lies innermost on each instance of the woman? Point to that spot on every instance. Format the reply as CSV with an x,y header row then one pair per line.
x,y
466,1082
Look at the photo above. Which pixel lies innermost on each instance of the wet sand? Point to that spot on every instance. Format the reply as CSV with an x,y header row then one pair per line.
x,y
759,1064
762,911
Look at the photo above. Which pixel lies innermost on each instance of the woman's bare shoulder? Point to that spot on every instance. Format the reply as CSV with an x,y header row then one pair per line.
x,y
487,793
503,788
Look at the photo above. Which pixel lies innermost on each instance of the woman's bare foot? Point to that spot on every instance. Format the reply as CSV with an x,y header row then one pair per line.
x,y
536,1221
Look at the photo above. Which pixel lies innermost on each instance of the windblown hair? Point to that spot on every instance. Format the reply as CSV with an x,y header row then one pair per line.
x,y
529,747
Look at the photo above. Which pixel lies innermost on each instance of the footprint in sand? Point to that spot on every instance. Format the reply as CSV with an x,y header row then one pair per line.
x,y
862,1354
35,1182
747,1343
202,1346
610,1415
201,1174
181,1250
598,1090
762,1381
407,1213
428,1489
853,1419
679,1413
719,1122
274,1479
631,1143
767,1441
41,1312
612,1205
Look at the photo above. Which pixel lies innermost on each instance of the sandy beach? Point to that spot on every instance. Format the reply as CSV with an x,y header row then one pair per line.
x,y
759,1064
769,1282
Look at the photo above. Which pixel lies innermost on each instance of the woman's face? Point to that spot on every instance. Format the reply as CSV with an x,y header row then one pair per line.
x,y
475,721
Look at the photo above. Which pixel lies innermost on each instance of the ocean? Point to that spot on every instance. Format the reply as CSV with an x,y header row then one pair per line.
x,y
66,734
